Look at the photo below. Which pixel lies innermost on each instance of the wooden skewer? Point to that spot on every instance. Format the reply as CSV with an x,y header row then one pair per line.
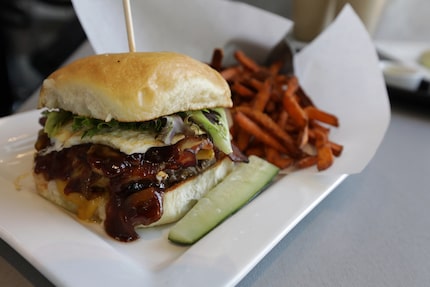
x,y
129,24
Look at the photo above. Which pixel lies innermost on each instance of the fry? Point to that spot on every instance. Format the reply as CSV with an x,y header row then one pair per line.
x,y
256,84
292,86
241,89
217,57
325,157
247,62
316,114
282,120
257,150
230,73
248,125
306,162
304,99
324,151
295,111
263,96
242,139
336,148
292,106
303,137
276,67
274,157
321,138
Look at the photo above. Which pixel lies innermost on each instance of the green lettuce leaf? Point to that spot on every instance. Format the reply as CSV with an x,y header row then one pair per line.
x,y
55,119
90,127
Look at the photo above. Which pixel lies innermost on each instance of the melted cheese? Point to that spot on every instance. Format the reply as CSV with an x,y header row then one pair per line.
x,y
127,141
205,154
85,208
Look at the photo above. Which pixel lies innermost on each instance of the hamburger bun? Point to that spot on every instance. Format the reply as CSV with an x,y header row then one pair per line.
x,y
134,87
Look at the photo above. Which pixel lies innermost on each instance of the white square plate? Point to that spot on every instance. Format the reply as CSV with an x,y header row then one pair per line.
x,y
72,253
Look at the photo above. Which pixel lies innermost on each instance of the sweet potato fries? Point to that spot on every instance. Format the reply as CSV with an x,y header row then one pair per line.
x,y
274,118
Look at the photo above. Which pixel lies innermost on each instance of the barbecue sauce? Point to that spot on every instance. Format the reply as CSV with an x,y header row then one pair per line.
x,y
133,183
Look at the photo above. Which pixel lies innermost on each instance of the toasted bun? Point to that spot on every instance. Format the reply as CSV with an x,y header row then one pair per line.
x,y
176,201
133,87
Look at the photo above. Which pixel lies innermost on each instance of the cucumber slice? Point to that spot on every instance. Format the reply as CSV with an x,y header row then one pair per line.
x,y
237,189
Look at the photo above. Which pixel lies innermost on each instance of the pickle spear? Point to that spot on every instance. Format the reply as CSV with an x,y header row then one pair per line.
x,y
237,189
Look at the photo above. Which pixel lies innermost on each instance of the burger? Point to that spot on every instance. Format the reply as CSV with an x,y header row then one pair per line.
x,y
132,139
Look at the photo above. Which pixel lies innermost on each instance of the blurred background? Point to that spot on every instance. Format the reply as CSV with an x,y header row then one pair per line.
x,y
37,36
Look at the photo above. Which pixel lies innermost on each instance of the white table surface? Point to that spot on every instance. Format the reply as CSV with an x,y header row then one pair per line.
x,y
372,230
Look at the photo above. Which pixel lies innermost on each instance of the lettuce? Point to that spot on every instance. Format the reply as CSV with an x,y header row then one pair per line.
x,y
55,119
90,126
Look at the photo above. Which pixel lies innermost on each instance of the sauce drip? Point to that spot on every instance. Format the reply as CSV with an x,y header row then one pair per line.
x,y
132,183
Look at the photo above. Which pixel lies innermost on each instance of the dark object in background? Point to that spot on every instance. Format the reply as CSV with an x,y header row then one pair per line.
x,y
10,15
37,37
70,36
405,98
6,97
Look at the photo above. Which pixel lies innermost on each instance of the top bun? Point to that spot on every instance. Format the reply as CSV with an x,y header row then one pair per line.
x,y
136,86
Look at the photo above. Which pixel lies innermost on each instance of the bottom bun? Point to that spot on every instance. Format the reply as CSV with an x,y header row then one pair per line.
x,y
177,200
